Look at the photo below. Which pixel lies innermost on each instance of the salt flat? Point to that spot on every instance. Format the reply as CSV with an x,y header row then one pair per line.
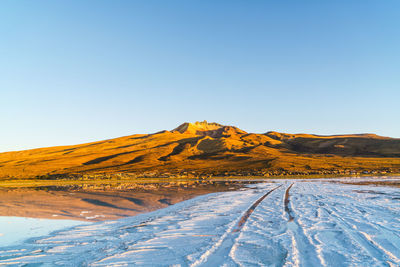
x,y
280,223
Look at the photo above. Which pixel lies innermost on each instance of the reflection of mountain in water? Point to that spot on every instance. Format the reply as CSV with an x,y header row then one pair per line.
x,y
122,200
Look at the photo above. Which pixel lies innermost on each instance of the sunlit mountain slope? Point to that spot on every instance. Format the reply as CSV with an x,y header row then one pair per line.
x,y
205,148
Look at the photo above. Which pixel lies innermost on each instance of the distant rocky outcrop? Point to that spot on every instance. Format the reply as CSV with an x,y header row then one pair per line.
x,y
205,128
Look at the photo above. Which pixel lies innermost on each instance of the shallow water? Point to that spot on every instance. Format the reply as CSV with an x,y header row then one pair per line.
x,y
280,223
15,230
101,202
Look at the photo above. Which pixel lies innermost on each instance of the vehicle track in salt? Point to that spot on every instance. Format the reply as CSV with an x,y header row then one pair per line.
x,y
213,256
247,214
303,250
286,203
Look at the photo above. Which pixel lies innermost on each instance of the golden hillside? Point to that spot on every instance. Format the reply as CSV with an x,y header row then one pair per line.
x,y
209,148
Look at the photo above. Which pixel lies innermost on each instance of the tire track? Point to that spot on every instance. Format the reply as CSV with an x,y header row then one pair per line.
x,y
247,214
304,251
286,203
218,254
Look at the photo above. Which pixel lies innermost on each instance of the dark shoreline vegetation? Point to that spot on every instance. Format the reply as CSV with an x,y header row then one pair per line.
x,y
115,180
192,174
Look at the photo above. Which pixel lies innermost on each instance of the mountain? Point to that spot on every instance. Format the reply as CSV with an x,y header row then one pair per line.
x,y
203,149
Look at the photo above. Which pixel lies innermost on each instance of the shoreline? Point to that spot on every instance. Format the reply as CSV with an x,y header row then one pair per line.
x,y
106,180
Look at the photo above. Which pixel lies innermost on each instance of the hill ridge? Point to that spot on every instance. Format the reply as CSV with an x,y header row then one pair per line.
x,y
209,149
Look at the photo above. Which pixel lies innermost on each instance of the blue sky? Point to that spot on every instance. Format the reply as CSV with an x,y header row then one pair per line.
x,y
79,71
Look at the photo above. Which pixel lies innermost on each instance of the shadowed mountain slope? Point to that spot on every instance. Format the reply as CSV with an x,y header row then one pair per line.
x,y
208,148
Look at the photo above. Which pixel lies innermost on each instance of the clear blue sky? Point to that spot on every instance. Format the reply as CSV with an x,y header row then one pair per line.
x,y
79,71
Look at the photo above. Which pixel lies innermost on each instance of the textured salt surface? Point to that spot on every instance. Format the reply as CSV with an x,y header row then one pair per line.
x,y
298,223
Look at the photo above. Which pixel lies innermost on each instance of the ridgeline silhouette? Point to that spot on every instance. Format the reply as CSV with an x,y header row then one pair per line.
x,y
204,149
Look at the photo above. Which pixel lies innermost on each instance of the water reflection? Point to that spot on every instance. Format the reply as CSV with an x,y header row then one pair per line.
x,y
103,201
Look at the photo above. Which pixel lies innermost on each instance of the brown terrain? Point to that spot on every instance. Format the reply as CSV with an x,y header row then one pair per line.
x,y
204,149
